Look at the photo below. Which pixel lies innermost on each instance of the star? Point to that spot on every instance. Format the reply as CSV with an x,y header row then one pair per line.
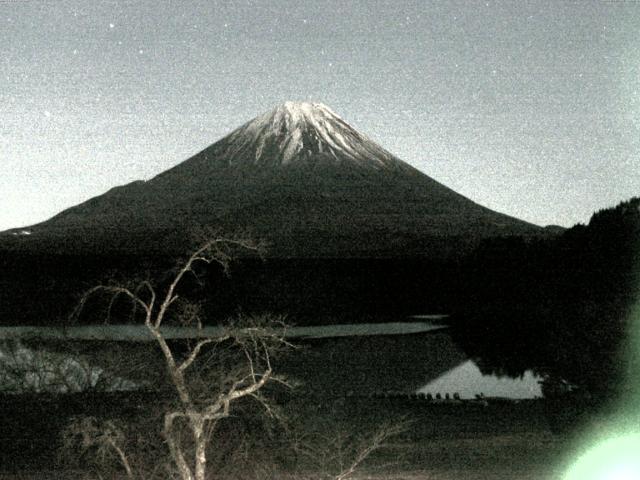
x,y
111,25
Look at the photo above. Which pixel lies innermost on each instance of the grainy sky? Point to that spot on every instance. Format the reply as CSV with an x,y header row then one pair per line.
x,y
530,108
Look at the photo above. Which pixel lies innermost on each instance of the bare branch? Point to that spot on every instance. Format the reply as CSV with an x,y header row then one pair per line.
x,y
196,351
115,291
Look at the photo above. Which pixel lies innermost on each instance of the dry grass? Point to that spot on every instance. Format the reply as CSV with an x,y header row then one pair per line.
x,y
501,457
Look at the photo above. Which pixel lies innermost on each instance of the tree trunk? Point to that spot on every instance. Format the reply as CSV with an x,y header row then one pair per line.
x,y
201,453
175,450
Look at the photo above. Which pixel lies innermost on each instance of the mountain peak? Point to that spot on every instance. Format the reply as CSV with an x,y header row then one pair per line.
x,y
298,176
291,117
302,133
302,111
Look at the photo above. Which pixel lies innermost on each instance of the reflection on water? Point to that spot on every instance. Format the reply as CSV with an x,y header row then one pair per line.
x,y
468,381
336,359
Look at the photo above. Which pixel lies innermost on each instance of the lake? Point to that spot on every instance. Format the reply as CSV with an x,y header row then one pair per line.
x,y
363,359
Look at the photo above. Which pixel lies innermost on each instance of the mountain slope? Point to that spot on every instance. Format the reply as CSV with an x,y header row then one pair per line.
x,y
298,176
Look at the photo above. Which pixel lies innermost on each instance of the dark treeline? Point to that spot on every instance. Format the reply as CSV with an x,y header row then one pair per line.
x,y
560,305
42,289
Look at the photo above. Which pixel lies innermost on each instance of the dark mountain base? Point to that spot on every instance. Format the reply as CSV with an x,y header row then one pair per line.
x,y
44,289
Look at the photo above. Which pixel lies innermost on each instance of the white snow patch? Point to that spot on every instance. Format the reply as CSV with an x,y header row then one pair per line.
x,y
293,127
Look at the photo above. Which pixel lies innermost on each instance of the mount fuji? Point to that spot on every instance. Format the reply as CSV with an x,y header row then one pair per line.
x,y
299,177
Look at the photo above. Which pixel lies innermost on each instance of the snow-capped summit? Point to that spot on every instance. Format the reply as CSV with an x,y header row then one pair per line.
x,y
303,132
297,113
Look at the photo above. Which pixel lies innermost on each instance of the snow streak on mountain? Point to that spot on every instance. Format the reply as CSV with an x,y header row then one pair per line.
x,y
299,131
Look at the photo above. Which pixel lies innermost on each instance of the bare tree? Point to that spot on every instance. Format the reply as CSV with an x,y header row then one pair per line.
x,y
107,437
339,454
204,380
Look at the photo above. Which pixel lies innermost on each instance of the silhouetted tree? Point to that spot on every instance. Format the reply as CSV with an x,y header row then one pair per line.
x,y
558,305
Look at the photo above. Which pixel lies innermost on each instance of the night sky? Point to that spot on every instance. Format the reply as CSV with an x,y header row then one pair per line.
x,y
529,108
